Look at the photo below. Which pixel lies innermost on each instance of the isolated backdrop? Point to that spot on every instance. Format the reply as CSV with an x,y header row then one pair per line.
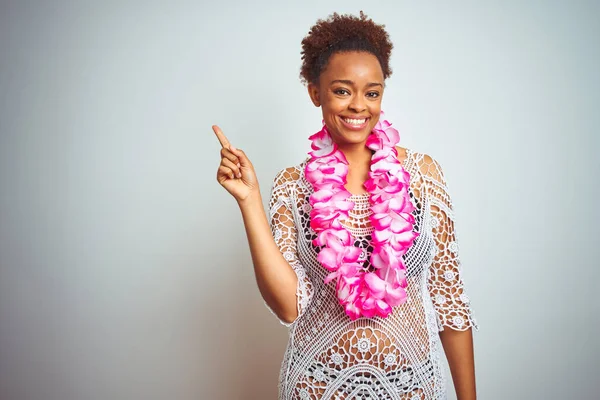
x,y
125,272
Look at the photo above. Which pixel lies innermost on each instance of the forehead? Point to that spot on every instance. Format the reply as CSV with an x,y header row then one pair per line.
x,y
353,65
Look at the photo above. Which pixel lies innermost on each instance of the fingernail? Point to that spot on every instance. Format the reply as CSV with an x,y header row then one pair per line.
x,y
232,147
239,174
238,165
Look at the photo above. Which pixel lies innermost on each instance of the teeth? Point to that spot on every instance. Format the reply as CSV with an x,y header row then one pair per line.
x,y
355,121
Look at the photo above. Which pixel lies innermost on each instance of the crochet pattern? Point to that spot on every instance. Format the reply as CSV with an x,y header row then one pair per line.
x,y
330,356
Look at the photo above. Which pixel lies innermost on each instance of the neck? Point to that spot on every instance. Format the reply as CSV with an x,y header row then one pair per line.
x,y
357,154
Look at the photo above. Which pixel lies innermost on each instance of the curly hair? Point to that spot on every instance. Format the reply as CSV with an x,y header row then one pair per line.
x,y
339,33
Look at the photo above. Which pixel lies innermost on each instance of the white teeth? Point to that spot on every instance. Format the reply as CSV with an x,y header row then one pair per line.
x,y
355,121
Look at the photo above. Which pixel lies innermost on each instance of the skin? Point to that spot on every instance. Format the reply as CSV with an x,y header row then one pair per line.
x,y
351,85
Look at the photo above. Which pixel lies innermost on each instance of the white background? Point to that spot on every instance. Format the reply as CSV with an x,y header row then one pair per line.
x,y
125,272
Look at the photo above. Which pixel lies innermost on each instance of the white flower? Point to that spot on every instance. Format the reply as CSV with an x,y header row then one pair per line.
x,y
453,247
434,222
390,359
405,377
449,275
440,299
319,375
278,234
458,321
363,345
304,394
337,358
288,255
464,298
306,207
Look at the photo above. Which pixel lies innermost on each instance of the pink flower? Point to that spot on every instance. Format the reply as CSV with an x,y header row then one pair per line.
x,y
329,198
384,256
346,272
328,207
323,218
392,294
336,253
386,163
329,169
348,288
401,242
383,136
353,311
372,306
335,232
396,222
402,202
322,143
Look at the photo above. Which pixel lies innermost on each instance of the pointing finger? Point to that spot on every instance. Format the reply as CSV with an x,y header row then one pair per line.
x,y
221,136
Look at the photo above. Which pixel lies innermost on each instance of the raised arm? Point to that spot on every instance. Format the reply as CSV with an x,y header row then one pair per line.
x,y
283,228
276,279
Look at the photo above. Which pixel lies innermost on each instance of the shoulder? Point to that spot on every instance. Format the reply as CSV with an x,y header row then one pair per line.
x,y
290,175
428,166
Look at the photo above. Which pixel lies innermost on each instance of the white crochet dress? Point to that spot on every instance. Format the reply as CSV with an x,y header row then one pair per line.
x,y
329,356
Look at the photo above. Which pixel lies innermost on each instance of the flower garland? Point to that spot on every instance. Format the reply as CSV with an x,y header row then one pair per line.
x,y
362,293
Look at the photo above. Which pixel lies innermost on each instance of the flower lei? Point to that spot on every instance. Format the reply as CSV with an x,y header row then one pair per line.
x,y
362,293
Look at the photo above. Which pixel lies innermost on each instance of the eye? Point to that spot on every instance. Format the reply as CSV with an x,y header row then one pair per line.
x,y
341,92
373,95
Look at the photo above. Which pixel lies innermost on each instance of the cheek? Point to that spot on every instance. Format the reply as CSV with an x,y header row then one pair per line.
x,y
376,104
334,103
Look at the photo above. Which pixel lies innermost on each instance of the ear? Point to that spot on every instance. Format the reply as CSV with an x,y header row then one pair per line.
x,y
313,92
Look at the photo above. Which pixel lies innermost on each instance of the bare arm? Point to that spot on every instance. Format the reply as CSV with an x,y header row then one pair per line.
x,y
275,277
458,346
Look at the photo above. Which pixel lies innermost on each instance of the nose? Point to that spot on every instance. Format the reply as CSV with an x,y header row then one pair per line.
x,y
357,104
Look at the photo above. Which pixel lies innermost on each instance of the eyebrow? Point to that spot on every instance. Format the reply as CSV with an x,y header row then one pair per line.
x,y
350,83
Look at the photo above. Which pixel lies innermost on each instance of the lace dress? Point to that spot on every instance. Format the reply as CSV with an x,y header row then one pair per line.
x,y
329,356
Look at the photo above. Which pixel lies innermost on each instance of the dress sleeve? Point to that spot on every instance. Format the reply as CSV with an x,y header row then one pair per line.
x,y
445,280
283,228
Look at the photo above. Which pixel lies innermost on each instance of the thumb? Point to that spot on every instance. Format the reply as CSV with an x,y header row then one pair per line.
x,y
244,161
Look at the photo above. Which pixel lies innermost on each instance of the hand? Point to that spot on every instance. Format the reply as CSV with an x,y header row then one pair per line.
x,y
236,173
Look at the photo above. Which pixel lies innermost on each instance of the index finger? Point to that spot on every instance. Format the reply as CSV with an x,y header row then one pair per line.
x,y
221,136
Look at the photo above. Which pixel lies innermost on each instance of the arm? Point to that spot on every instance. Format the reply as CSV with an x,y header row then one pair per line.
x,y
276,279
446,285
283,230
458,346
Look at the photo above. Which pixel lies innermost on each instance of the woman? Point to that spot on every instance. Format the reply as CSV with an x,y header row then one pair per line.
x,y
359,255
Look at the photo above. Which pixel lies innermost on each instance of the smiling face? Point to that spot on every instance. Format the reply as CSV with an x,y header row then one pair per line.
x,y
349,93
